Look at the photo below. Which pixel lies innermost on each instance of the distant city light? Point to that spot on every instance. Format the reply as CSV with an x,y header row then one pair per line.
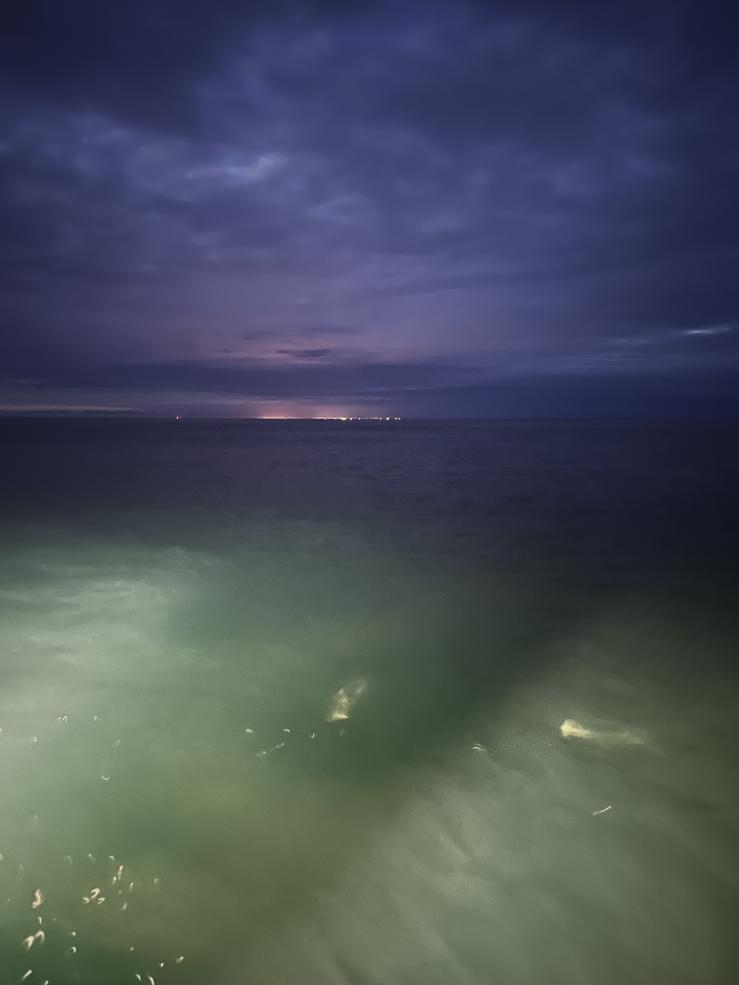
x,y
352,419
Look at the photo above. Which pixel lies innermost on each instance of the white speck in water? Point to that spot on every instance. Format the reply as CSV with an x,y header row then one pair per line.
x,y
478,748
27,974
91,857
286,730
105,779
117,743
73,949
38,899
157,880
180,959
124,907
28,942
249,731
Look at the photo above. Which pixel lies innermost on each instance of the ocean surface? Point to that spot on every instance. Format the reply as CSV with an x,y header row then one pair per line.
x,y
323,703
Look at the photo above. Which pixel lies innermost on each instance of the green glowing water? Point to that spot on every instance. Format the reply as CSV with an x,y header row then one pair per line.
x,y
164,709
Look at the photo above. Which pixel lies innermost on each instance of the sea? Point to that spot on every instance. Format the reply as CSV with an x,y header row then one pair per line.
x,y
368,702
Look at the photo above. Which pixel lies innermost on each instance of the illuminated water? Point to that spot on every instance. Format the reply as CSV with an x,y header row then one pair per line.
x,y
179,606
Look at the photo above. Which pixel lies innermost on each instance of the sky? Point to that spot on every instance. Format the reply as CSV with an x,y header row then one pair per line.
x,y
422,209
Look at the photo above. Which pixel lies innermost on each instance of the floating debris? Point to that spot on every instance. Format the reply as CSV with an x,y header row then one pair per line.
x,y
27,974
249,731
180,959
478,748
29,941
38,899
609,736
345,699
105,779
603,810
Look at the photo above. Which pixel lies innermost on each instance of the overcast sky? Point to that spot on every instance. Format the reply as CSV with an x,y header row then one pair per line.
x,y
424,209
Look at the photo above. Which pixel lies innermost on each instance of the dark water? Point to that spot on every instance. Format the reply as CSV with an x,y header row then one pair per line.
x,y
535,630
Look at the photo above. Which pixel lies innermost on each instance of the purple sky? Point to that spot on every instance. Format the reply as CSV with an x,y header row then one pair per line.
x,y
424,209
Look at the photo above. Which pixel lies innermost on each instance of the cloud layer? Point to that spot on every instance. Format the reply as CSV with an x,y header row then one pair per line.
x,y
442,208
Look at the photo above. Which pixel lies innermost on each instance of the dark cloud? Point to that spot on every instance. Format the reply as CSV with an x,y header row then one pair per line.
x,y
304,353
214,197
